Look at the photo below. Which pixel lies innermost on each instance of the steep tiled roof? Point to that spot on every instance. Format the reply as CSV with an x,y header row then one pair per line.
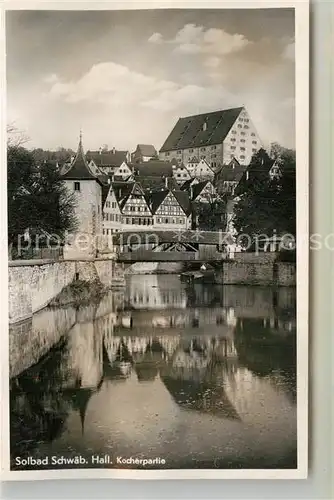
x,y
107,158
190,131
230,173
79,169
198,188
155,183
154,168
122,190
184,201
147,149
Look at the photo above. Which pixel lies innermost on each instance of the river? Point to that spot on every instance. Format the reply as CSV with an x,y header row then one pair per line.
x,y
194,376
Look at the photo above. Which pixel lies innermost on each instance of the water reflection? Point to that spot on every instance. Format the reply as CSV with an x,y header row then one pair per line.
x,y
202,376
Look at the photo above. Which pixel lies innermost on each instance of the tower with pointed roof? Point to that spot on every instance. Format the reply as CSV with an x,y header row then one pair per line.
x,y
87,188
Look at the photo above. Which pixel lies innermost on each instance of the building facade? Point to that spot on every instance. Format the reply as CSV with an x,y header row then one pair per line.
x,y
215,137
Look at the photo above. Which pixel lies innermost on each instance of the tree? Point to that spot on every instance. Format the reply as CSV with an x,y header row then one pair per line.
x,y
37,197
267,206
210,214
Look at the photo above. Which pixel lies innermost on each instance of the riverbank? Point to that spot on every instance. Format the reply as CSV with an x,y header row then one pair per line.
x,y
80,293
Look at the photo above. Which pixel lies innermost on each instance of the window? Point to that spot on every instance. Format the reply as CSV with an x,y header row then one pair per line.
x,y
113,204
246,126
179,152
242,140
167,154
242,149
254,142
77,186
242,156
191,150
202,149
173,221
246,120
103,231
233,139
181,221
243,133
112,217
233,147
133,221
239,125
178,175
127,220
254,150
252,134
234,131
166,220
241,119
213,147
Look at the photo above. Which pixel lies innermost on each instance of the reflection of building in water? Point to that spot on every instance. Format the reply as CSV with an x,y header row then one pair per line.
x,y
82,362
254,398
155,292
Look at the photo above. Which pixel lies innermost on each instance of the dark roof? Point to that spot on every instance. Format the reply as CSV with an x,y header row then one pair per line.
x,y
188,132
198,188
146,149
132,189
186,185
107,158
184,201
122,190
79,169
206,237
158,168
155,183
230,173
156,198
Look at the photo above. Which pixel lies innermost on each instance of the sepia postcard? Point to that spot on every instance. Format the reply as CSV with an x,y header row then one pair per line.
x,y
155,240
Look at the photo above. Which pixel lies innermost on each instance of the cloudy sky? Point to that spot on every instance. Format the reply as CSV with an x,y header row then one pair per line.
x,y
125,77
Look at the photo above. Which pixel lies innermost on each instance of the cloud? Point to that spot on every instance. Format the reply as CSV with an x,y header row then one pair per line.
x,y
212,62
193,39
52,78
115,85
156,38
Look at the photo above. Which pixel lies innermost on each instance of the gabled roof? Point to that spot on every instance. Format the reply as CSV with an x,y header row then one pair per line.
x,y
121,190
190,131
79,169
154,183
194,159
229,173
146,149
150,168
111,158
198,188
155,199
134,188
184,201
186,185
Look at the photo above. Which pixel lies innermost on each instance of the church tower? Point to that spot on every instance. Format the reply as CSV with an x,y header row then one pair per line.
x,y
87,189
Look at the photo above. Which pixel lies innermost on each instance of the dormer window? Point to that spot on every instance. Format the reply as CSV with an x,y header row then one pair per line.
x,y
205,126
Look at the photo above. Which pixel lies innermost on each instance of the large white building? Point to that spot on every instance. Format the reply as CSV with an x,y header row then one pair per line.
x,y
215,137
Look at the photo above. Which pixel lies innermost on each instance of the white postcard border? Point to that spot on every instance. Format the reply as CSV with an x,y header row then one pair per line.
x,y
302,149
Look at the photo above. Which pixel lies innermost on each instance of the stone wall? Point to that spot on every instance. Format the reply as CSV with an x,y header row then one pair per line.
x,y
252,269
33,284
